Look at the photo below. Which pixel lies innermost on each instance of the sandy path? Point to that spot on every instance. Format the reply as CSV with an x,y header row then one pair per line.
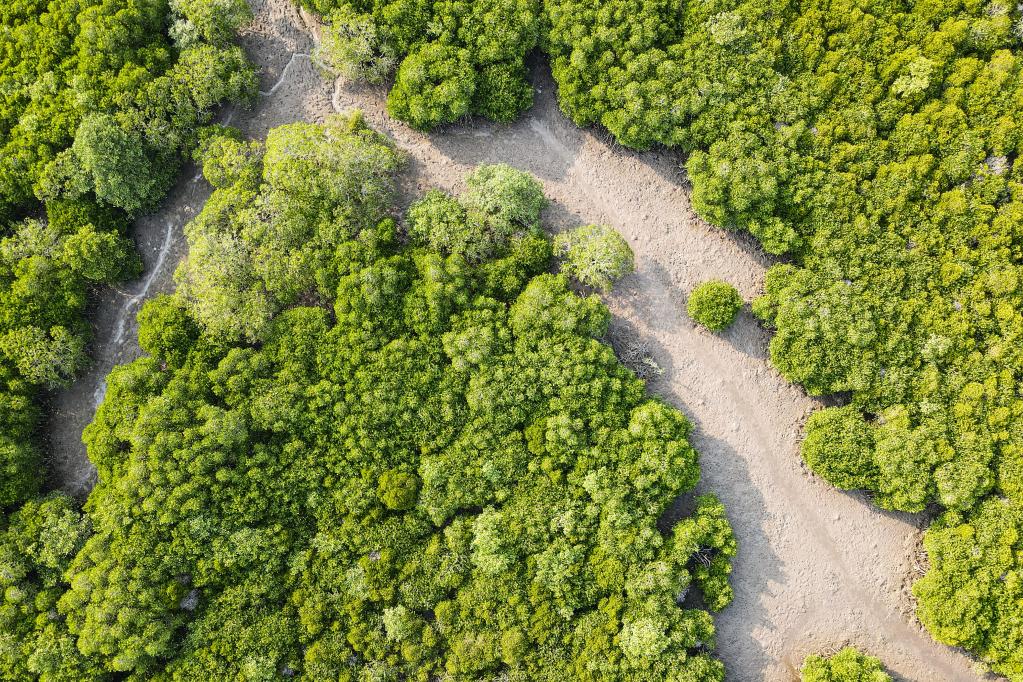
x,y
817,568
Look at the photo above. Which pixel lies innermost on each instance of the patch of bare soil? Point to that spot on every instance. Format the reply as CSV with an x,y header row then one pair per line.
x,y
817,568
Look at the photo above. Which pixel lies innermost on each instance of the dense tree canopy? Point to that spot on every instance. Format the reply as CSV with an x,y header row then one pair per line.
x,y
848,665
453,57
101,100
406,463
877,145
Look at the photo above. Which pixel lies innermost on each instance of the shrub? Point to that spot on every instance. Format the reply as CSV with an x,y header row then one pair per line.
x,y
453,58
351,47
714,304
434,85
501,205
848,665
839,447
596,255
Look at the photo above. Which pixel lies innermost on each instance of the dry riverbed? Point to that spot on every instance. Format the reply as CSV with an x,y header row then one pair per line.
x,y
817,568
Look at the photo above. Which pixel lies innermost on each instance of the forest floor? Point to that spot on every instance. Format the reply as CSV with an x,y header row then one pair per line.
x,y
817,568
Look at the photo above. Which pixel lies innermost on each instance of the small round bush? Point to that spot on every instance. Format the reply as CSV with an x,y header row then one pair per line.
x,y
595,255
839,448
714,304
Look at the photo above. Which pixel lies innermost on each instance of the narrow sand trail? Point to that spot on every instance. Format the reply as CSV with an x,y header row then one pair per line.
x,y
817,568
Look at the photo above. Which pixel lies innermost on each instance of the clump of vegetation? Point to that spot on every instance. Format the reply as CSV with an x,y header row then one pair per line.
x,y
500,205
412,465
884,161
837,441
37,545
102,102
595,255
972,593
453,58
848,665
714,304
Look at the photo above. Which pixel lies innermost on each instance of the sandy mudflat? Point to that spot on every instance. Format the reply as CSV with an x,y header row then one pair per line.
x,y
817,568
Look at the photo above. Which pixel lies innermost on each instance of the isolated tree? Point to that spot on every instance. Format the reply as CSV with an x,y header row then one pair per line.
x,y
714,304
596,255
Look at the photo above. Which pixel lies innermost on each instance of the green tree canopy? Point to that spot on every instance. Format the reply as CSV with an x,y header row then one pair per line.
x,y
433,468
102,101
453,57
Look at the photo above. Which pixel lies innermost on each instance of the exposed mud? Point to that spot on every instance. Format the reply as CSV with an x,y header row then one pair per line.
x,y
817,568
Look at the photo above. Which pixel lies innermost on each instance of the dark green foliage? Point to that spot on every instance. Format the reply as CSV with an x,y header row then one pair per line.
x,y
117,166
714,304
166,330
36,547
848,665
101,101
45,269
431,469
454,57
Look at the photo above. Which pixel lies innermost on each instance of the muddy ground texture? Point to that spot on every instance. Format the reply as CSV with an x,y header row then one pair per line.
x,y
817,568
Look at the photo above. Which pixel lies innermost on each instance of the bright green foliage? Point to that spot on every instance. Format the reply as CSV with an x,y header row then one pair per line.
x,y
454,57
36,546
714,304
848,665
837,444
972,596
596,255
434,469
501,206
351,47
877,145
